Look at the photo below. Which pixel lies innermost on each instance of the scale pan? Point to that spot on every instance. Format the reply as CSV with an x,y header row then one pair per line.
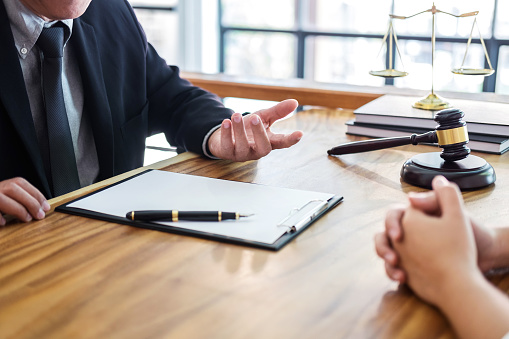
x,y
389,73
473,71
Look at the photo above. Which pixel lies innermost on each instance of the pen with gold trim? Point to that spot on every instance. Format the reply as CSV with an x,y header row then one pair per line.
x,y
174,215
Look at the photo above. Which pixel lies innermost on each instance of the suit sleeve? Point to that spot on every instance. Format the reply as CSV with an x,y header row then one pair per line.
x,y
185,113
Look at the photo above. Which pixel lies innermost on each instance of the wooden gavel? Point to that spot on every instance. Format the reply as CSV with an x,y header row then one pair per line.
x,y
451,135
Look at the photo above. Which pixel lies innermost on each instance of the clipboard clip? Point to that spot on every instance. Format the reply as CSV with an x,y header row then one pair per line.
x,y
299,217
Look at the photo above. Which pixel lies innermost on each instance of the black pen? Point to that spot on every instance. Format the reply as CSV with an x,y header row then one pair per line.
x,y
174,215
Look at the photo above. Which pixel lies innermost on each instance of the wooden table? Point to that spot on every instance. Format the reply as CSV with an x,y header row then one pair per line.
x,y
70,277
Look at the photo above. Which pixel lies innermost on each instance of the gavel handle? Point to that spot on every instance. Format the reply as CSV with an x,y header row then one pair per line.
x,y
376,144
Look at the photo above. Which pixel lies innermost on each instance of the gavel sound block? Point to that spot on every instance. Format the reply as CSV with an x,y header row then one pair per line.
x,y
454,162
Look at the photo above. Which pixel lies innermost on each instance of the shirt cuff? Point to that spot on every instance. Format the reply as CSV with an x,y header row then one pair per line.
x,y
205,145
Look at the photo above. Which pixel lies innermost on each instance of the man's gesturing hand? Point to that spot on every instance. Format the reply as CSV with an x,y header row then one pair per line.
x,y
250,138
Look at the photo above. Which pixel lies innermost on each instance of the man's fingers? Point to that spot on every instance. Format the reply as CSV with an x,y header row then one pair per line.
x,y
279,141
248,138
262,145
14,208
34,192
22,200
274,113
227,146
242,148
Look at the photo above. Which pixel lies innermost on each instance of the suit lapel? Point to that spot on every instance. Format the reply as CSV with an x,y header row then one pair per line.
x,y
14,97
96,100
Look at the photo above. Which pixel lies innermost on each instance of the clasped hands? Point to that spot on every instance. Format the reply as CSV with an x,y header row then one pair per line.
x,y
432,244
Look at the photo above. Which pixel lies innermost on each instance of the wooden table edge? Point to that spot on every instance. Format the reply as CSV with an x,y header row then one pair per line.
x,y
54,202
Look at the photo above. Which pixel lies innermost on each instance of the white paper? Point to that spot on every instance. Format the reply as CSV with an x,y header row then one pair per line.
x,y
161,190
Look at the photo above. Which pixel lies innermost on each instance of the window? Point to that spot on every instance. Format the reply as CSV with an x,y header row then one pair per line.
x,y
338,41
159,19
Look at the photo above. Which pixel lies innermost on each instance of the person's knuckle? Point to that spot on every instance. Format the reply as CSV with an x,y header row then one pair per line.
x,y
19,181
10,188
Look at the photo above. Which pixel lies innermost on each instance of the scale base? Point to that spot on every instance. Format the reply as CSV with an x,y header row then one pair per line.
x,y
469,174
432,103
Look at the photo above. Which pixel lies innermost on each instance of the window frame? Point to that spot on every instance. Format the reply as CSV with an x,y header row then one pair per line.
x,y
493,44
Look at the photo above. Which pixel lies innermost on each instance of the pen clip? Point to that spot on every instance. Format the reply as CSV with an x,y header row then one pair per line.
x,y
299,217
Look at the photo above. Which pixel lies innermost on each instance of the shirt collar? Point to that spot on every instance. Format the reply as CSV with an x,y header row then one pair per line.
x,y
27,26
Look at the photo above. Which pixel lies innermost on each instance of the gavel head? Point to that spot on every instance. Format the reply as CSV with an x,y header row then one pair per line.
x,y
452,134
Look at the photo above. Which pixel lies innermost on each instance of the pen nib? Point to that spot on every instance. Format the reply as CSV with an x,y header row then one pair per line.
x,y
245,215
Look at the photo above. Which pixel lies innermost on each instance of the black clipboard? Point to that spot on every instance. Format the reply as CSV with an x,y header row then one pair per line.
x,y
304,215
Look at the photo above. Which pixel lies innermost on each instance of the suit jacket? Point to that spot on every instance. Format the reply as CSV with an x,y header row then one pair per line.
x,y
130,93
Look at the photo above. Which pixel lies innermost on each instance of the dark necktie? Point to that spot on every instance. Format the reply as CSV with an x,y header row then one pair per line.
x,y
64,173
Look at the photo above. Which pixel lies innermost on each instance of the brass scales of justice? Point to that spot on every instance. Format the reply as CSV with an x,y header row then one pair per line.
x,y
431,102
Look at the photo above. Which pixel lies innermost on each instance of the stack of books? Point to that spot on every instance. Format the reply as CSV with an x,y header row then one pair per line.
x,y
394,116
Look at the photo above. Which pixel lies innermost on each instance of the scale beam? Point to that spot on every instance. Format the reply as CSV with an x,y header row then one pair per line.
x,y
432,101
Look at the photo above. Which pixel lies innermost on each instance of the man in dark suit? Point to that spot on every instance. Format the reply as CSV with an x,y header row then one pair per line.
x,y
114,90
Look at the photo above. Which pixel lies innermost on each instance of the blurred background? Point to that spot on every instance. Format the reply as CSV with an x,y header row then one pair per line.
x,y
331,41
334,41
